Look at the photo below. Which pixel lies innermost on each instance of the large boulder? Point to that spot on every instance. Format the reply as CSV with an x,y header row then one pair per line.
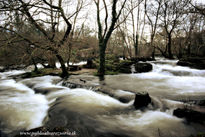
x,y
142,100
190,115
143,67
194,62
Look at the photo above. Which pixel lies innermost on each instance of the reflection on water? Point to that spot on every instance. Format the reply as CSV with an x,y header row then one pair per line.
x,y
93,114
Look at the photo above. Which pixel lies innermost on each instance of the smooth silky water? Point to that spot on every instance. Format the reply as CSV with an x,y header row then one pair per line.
x,y
42,101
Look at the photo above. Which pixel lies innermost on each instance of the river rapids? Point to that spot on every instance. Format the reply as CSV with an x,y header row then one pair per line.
x,y
43,101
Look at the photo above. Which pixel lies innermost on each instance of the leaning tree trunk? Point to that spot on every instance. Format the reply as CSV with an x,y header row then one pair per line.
x,y
63,67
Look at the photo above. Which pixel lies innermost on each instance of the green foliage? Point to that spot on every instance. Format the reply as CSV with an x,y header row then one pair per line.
x,y
111,63
114,66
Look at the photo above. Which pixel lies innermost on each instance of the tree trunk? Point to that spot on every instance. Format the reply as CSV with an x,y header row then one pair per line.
x,y
69,55
101,70
153,50
136,45
35,65
63,67
189,49
153,53
169,46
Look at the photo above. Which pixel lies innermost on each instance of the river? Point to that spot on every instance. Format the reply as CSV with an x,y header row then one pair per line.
x,y
43,101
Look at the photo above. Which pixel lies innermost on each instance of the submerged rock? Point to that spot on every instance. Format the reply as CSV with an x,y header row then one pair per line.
x,y
143,67
190,115
142,100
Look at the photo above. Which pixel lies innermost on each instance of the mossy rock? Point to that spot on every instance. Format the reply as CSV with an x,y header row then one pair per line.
x,y
124,66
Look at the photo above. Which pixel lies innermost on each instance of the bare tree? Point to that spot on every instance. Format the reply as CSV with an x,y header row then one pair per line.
x,y
200,9
153,17
53,14
104,33
172,14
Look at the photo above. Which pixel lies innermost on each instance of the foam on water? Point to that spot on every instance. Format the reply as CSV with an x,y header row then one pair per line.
x,y
58,65
4,75
88,102
21,109
149,124
174,79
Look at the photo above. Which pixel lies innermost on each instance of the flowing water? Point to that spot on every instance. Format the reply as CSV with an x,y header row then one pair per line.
x,y
43,101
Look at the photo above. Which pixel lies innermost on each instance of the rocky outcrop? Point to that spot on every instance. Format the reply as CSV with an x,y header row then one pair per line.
x,y
194,62
142,100
190,115
143,67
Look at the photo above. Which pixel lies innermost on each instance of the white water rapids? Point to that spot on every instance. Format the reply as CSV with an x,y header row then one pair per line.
x,y
34,102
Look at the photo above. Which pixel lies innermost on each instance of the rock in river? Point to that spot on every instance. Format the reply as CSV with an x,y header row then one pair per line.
x,y
190,115
194,62
143,67
142,100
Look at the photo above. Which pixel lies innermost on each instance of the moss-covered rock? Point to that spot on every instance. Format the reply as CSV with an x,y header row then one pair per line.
x,y
124,66
114,65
